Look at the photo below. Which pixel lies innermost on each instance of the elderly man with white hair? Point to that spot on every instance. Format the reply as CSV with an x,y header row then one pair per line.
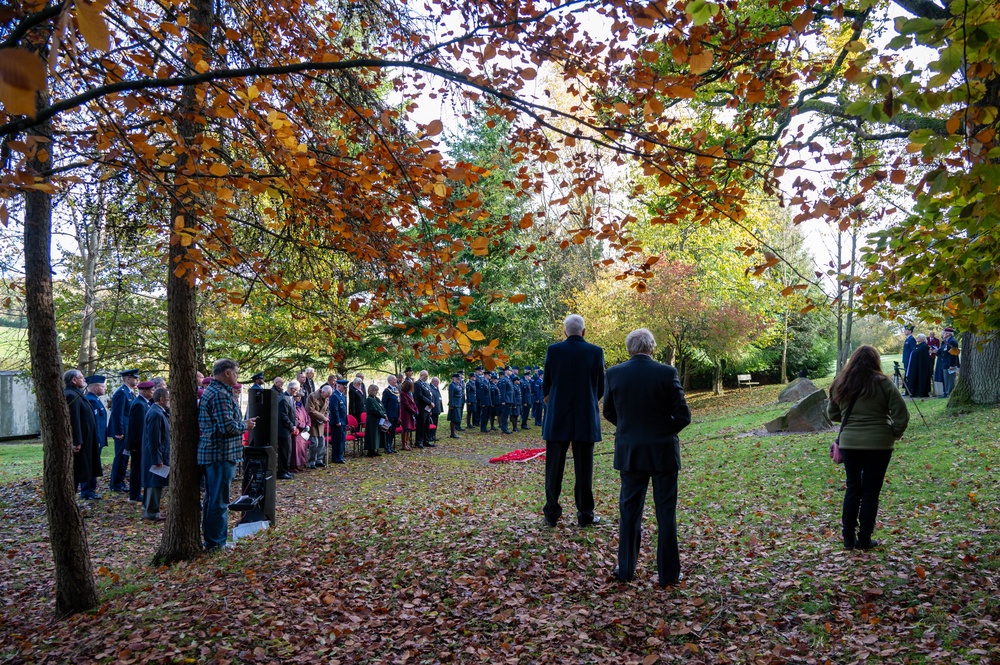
x,y
646,403
424,397
573,385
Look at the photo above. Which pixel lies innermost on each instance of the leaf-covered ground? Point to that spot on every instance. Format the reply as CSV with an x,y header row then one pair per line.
x,y
436,556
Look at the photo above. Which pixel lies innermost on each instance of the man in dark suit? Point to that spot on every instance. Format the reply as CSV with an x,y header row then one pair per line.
x,y
83,427
573,385
96,387
390,400
646,403
155,453
121,402
286,423
424,397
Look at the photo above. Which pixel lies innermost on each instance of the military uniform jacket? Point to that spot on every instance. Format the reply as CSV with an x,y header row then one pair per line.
x,y
506,388
338,409
526,393
84,431
456,396
494,394
536,388
470,391
121,402
100,418
483,390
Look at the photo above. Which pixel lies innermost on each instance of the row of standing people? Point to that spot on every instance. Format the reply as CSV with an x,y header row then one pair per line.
x,y
928,361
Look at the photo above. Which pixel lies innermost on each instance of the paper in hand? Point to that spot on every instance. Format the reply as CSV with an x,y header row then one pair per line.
x,y
160,470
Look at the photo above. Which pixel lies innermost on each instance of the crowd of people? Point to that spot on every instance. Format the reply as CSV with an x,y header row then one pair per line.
x,y
930,365
642,398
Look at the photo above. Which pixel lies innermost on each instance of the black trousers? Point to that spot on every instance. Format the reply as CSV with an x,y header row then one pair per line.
x,y
471,415
119,465
631,502
484,417
525,408
583,490
284,452
865,473
423,427
135,474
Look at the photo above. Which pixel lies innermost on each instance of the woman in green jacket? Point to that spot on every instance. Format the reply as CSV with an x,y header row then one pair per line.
x,y
876,420
374,436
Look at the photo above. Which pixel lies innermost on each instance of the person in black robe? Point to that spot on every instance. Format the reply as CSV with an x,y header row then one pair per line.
x,y
83,426
918,371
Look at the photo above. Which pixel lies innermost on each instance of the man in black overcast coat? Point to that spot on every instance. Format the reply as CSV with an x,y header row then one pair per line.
x,y
646,403
573,384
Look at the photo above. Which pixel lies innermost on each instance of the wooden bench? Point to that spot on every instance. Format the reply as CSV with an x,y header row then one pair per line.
x,y
745,380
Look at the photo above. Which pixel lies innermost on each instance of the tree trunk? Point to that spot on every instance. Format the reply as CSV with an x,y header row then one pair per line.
x,y
977,378
182,531
76,590
717,388
88,237
784,352
687,373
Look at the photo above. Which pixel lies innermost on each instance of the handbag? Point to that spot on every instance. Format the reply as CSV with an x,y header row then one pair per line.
x,y
384,425
835,454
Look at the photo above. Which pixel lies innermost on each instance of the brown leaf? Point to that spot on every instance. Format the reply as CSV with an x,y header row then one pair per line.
x,y
22,74
92,26
701,62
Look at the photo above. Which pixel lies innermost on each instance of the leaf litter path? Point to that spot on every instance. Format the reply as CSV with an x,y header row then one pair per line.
x,y
434,556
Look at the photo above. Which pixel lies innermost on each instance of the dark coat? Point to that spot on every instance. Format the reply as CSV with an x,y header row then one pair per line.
x,y
338,409
909,344
945,359
573,383
456,400
83,427
918,372
155,445
100,418
136,423
438,404
494,394
471,395
483,390
390,400
286,413
356,401
407,412
423,395
506,387
121,402
374,437
646,403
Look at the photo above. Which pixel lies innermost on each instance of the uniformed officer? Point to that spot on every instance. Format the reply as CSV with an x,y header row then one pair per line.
x,y
485,399
472,403
506,389
96,388
526,390
456,400
515,405
494,400
121,402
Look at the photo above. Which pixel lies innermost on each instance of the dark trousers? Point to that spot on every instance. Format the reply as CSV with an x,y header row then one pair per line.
x,y
865,472
390,436
536,412
135,475
504,418
119,465
484,417
423,427
284,452
432,433
583,490
514,416
471,415
525,408
631,501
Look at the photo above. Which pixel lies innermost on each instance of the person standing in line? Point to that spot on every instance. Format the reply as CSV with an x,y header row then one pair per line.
x,y
485,394
437,410
456,399
83,428
909,344
947,361
318,405
573,386
646,404
375,414
918,371
525,399
121,402
494,400
220,445
338,420
407,413
506,387
96,388
424,397
286,425
300,444
356,398
390,401
133,438
471,403
515,404
875,417
308,384
155,453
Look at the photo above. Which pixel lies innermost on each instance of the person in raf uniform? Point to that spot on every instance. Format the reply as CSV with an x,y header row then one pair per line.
x,y
456,399
573,385
525,399
121,402
485,400
538,405
338,420
494,400
96,388
471,403
646,404
506,388
133,438
83,428
155,452
515,406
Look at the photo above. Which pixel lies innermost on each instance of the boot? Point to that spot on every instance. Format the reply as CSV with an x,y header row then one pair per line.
x,y
849,540
866,543
453,435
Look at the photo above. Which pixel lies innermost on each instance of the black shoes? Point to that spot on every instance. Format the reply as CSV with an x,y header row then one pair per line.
x,y
866,543
549,523
596,520
670,583
285,476
430,445
849,540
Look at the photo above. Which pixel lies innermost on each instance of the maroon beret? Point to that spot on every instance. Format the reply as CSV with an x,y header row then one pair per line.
x,y
146,385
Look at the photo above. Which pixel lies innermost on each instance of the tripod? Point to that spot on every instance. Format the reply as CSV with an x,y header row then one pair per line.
x,y
898,378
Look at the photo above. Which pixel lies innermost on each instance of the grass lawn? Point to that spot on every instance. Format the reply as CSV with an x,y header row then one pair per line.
x,y
20,461
436,556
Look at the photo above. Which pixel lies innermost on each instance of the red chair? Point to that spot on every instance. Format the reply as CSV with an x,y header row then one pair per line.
x,y
364,418
353,434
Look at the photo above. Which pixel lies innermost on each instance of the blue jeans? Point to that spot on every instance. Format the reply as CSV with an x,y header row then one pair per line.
x,y
215,512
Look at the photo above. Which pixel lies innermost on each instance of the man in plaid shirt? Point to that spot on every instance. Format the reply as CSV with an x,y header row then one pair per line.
x,y
220,445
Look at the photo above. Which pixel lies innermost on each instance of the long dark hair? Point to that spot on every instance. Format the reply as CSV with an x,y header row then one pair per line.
x,y
407,385
860,377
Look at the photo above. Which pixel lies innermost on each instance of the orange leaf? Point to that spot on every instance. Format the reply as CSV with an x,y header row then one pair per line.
x,y
480,247
21,75
520,297
701,62
802,20
434,128
921,573
219,169
92,25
